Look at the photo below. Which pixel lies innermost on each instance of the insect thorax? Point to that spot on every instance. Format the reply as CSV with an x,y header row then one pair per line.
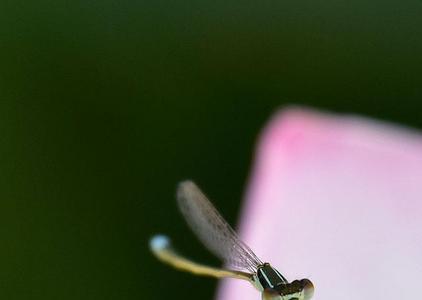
x,y
275,287
269,277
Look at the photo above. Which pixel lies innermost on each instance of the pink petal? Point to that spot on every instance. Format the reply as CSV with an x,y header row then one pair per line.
x,y
337,200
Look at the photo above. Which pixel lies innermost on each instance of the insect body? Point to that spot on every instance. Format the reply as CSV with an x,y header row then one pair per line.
x,y
219,237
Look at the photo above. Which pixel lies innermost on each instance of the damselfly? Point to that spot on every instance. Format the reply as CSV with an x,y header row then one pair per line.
x,y
219,237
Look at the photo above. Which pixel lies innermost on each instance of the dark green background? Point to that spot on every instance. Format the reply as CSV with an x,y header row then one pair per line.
x,y
106,105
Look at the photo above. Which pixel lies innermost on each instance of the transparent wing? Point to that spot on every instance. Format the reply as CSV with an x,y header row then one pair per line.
x,y
212,230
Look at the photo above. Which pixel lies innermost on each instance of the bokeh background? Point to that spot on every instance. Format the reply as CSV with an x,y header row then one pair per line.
x,y
106,105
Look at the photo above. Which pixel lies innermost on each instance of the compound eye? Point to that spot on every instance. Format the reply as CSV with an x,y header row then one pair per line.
x,y
307,289
269,294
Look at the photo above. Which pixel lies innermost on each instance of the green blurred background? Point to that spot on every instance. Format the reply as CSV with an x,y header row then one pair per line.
x,y
106,105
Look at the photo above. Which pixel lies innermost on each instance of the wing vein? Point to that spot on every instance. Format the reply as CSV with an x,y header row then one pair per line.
x,y
212,230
